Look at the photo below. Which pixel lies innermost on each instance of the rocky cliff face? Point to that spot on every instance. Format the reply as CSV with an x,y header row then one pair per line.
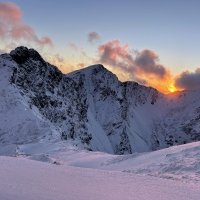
x,y
97,111
110,104
57,97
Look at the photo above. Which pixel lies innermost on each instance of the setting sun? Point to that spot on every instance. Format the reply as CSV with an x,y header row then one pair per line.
x,y
172,88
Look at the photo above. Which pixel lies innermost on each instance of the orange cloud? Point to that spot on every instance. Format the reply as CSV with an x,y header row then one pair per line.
x,y
10,12
115,54
142,67
12,26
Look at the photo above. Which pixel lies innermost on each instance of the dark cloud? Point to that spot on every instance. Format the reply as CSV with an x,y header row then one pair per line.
x,y
12,26
145,62
93,37
189,80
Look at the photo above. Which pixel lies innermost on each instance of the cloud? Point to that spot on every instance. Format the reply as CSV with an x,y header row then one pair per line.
x,y
59,58
73,46
10,12
12,26
141,66
118,55
55,59
93,37
115,54
188,80
146,61
2,31
81,65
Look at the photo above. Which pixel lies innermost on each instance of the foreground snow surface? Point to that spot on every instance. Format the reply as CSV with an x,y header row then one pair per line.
x,y
178,162
24,179
68,173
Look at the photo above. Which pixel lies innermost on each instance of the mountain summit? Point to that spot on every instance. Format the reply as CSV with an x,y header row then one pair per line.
x,y
89,107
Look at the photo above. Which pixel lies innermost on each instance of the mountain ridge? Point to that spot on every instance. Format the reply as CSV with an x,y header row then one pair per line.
x,y
94,109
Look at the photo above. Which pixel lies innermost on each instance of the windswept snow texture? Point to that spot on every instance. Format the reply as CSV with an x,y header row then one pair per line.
x,y
89,106
23,179
178,162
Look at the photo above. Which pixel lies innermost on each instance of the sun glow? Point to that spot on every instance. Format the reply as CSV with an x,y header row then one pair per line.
x,y
172,88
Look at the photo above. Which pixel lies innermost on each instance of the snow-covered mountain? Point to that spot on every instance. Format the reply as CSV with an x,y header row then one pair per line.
x,y
89,106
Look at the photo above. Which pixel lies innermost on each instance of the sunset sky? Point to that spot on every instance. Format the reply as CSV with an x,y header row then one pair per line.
x,y
156,43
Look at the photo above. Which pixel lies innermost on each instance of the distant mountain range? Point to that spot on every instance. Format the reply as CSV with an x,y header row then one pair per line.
x,y
90,107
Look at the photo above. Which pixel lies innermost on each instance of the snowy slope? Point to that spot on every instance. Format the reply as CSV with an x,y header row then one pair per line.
x,y
23,179
18,123
178,162
180,119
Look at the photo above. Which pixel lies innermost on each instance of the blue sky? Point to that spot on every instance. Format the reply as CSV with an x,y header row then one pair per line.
x,y
170,28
